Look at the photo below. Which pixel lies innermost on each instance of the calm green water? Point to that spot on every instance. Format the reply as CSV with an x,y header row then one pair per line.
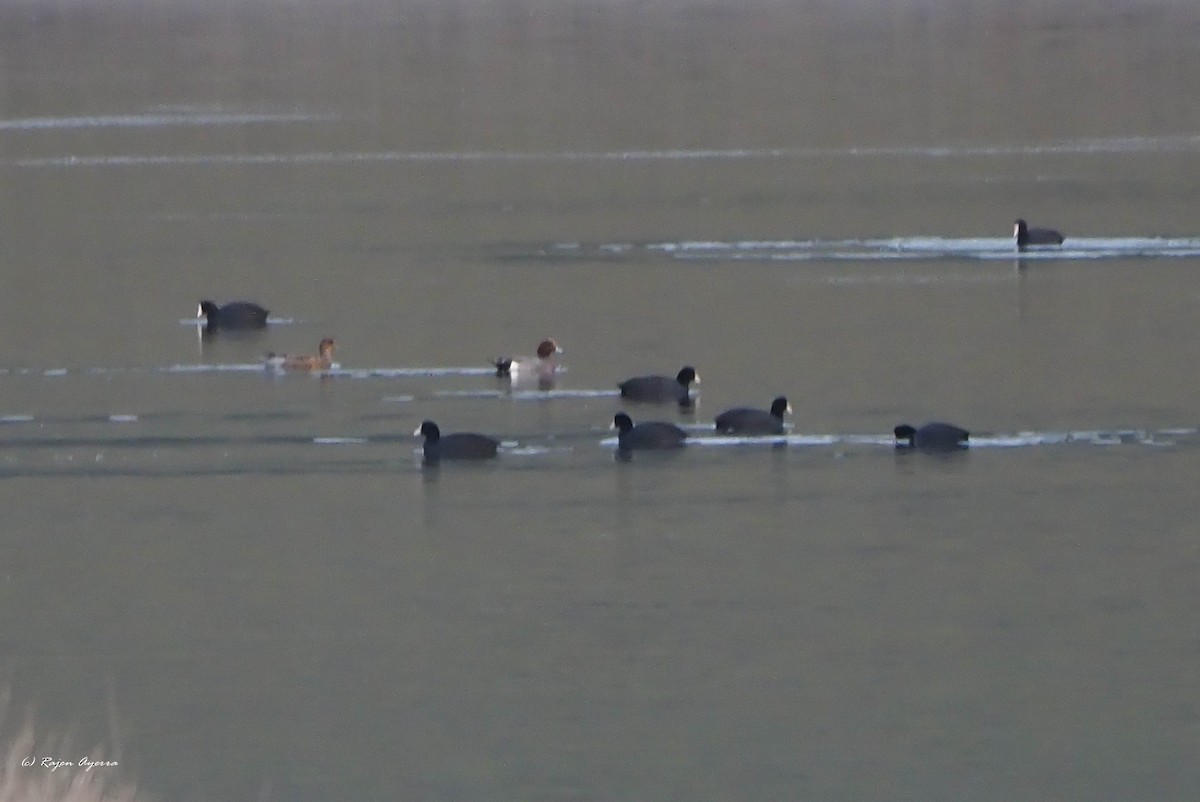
x,y
247,587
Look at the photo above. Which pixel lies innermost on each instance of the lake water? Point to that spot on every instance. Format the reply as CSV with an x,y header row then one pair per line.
x,y
246,586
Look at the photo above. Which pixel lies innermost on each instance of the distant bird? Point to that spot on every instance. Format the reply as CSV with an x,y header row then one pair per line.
x,y
648,435
233,315
661,389
746,420
323,360
460,445
541,368
1035,236
931,437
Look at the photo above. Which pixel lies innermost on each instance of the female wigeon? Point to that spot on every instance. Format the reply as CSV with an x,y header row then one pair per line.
x,y
323,360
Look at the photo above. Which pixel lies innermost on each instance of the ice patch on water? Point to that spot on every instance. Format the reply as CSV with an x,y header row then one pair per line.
x,y
868,439
1085,147
275,364
200,322
1110,437
165,118
915,248
535,395
532,450
255,367
527,395
720,440
426,372
469,394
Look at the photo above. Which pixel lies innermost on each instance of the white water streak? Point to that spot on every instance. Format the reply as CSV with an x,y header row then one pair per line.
x,y
157,120
916,248
1082,147
1144,437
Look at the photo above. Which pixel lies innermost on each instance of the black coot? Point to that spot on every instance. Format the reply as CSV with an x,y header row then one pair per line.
x,y
648,435
661,389
931,437
747,420
1035,236
233,315
460,445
